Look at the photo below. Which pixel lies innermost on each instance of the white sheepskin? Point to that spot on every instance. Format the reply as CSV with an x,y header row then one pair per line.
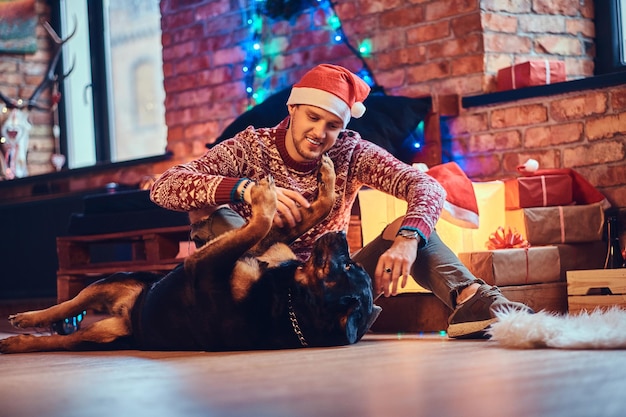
x,y
599,329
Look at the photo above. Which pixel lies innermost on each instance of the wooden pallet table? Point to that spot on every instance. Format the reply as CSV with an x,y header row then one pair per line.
x,y
597,288
81,259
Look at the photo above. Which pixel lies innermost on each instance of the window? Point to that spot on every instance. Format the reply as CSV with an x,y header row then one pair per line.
x,y
113,104
610,19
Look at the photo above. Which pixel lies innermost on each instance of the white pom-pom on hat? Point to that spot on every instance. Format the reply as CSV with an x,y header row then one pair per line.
x,y
358,109
530,165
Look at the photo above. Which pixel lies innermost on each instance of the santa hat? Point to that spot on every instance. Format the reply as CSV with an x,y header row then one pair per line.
x,y
332,88
461,206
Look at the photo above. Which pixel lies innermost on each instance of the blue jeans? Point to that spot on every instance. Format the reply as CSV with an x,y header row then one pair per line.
x,y
220,221
437,268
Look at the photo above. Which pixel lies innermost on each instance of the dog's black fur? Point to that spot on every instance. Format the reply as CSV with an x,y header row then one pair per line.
x,y
243,290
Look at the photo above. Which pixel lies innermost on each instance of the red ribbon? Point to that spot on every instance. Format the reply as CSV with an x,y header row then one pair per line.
x,y
506,239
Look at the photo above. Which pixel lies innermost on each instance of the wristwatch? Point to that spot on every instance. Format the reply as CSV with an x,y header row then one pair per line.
x,y
409,234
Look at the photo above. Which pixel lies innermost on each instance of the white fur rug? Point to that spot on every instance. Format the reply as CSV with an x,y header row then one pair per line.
x,y
600,329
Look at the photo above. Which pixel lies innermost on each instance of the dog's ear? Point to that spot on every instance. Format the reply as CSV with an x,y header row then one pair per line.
x,y
358,320
371,319
375,313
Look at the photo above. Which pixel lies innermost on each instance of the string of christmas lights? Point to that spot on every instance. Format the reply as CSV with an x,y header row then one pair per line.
x,y
256,65
254,52
363,51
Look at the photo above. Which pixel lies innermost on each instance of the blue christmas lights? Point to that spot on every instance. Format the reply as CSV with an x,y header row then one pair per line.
x,y
255,47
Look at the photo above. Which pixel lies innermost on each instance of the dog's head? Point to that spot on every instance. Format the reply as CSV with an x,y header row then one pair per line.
x,y
342,289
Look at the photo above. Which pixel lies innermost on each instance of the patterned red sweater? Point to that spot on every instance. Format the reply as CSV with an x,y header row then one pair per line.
x,y
257,153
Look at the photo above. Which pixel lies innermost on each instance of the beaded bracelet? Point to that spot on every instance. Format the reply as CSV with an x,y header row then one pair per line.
x,y
243,190
237,196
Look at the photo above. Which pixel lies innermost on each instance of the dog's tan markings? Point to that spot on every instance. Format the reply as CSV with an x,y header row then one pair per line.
x,y
308,275
245,273
248,270
301,276
277,254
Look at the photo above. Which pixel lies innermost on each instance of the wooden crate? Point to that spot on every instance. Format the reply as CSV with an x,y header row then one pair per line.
x,y
147,246
411,312
551,296
153,250
590,289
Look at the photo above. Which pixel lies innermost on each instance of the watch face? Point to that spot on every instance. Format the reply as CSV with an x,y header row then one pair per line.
x,y
411,234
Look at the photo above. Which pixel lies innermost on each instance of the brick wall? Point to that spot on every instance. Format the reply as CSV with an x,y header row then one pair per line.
x,y
582,130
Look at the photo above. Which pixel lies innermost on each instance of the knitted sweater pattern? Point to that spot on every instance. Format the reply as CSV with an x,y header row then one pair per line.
x,y
258,153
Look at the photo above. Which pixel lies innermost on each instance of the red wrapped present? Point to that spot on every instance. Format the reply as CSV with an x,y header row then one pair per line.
x,y
538,191
583,192
526,74
514,266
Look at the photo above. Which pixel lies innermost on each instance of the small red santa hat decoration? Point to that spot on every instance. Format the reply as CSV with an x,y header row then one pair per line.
x,y
332,88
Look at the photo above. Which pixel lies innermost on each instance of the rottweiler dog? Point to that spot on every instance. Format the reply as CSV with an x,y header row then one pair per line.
x,y
243,290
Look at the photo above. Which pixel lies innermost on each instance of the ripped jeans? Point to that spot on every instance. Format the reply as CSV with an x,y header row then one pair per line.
x,y
436,268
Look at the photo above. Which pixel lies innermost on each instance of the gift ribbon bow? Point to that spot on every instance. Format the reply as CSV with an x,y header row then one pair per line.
x,y
506,239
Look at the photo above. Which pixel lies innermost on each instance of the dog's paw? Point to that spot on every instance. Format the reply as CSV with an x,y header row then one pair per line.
x,y
25,320
264,198
326,173
14,344
5,346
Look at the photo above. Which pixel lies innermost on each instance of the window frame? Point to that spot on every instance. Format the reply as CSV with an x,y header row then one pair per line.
x,y
99,84
103,113
610,36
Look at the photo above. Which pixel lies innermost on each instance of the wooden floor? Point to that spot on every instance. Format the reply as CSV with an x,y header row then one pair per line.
x,y
383,375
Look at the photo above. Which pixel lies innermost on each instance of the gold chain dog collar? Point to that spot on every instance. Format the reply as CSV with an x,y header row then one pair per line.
x,y
294,321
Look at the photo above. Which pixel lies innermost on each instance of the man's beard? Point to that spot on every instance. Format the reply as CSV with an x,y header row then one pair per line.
x,y
299,147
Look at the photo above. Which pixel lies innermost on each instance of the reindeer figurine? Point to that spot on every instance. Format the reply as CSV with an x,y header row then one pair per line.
x,y
16,129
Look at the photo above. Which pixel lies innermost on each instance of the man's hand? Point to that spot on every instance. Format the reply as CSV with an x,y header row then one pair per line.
x,y
394,264
288,207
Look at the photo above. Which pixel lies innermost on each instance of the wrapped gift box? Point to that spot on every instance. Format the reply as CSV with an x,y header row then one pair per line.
x,y
526,74
411,313
514,266
538,191
561,224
